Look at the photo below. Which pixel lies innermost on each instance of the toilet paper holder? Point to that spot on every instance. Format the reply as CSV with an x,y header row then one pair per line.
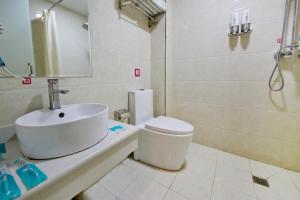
x,y
121,115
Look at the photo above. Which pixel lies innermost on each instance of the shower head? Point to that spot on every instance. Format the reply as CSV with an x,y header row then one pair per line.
x,y
85,26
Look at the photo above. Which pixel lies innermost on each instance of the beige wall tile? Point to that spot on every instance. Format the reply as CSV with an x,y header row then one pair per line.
x,y
220,85
117,48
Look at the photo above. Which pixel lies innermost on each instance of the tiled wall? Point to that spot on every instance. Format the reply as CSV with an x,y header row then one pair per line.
x,y
118,46
69,29
158,72
220,85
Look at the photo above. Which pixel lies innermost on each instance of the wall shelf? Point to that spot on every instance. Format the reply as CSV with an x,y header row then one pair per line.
x,y
148,8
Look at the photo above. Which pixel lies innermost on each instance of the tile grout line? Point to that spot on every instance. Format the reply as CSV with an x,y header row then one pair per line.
x,y
214,177
251,171
173,183
119,196
135,178
140,173
294,183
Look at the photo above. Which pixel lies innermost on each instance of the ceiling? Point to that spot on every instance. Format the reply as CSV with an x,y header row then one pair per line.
x,y
79,6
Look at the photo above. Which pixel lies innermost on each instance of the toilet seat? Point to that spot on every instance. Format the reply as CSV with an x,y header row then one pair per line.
x,y
169,125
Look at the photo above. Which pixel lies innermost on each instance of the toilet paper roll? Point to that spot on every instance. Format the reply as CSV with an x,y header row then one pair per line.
x,y
121,115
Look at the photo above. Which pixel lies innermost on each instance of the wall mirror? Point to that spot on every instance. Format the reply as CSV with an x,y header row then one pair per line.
x,y
48,38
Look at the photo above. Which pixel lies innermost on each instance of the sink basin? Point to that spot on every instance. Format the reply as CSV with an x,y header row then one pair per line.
x,y
45,134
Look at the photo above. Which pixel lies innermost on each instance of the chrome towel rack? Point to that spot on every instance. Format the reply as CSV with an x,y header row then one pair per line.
x,y
147,7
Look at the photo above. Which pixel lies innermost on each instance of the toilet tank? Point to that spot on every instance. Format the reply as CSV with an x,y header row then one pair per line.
x,y
140,106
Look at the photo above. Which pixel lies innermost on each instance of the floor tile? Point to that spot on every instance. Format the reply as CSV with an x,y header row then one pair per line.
x,y
281,180
264,193
264,170
283,185
163,177
192,185
171,195
97,192
203,151
232,179
130,162
208,174
143,188
222,193
225,172
201,166
119,178
295,176
234,161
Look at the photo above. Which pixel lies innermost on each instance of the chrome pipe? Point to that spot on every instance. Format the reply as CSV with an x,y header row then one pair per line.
x,y
284,26
280,53
294,42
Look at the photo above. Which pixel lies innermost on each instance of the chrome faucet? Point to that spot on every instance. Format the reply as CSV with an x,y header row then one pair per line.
x,y
53,91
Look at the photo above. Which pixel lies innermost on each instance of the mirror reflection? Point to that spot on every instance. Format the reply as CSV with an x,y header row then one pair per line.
x,y
45,38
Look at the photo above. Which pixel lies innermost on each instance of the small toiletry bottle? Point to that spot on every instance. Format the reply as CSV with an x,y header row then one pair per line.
x,y
246,16
245,27
29,173
9,188
235,23
3,154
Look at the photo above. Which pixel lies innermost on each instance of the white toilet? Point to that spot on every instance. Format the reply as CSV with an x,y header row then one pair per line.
x,y
162,141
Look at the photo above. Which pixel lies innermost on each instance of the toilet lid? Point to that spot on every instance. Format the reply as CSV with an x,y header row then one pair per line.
x,y
169,125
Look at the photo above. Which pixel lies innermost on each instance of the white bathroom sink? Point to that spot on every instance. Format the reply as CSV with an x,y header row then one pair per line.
x,y
45,133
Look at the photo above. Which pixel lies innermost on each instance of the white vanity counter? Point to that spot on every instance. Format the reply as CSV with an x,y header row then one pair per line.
x,y
68,176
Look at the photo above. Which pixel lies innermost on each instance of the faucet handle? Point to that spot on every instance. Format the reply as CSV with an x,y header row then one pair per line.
x,y
64,91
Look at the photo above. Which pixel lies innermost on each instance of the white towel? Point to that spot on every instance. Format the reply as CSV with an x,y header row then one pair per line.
x,y
51,48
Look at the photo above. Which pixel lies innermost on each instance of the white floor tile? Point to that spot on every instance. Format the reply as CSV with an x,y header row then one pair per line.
x,y
203,151
281,180
192,185
225,172
207,175
171,195
282,184
232,179
161,176
264,193
295,176
264,170
144,188
222,193
134,164
119,178
97,192
202,166
234,161
281,187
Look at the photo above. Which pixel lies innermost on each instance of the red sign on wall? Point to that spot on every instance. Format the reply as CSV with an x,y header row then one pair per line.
x,y
26,81
137,72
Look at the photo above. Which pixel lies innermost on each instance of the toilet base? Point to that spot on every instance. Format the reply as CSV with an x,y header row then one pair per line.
x,y
161,150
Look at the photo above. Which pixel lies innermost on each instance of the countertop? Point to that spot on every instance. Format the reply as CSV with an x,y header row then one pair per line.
x,y
58,168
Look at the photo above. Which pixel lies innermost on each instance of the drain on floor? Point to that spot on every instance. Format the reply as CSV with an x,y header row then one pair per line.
x,y
260,181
